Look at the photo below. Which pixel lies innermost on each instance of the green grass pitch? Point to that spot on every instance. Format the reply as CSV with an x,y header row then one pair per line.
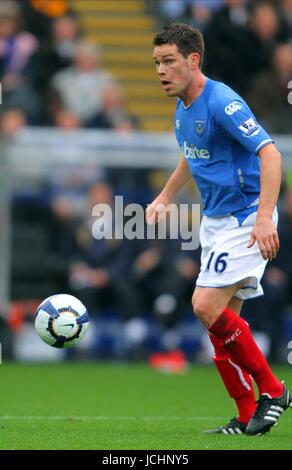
x,y
114,407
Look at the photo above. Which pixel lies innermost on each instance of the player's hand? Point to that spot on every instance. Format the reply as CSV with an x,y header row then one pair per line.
x,y
157,209
265,234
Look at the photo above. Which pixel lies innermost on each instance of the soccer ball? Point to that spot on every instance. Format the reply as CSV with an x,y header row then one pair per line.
x,y
61,321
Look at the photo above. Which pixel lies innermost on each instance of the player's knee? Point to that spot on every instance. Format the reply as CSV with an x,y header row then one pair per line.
x,y
201,308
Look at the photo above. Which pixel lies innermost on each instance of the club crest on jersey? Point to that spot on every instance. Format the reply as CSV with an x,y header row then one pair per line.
x,y
200,126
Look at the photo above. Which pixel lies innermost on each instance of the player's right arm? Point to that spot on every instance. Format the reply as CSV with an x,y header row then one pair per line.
x,y
176,181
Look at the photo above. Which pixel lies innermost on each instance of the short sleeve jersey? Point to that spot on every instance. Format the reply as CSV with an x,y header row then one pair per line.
x,y
220,139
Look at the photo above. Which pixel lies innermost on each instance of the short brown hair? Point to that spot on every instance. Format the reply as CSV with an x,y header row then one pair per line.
x,y
185,37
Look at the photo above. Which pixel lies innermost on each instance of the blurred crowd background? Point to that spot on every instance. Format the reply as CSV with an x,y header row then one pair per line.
x,y
87,64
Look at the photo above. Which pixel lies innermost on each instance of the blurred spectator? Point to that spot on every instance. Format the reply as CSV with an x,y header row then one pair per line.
x,y
286,14
238,11
17,69
233,31
268,92
227,43
58,51
201,11
69,185
66,120
165,276
114,113
69,181
99,267
39,14
65,36
173,10
266,31
81,88
197,12
11,122
16,46
265,22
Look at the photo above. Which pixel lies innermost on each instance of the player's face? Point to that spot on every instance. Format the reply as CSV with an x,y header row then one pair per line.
x,y
174,70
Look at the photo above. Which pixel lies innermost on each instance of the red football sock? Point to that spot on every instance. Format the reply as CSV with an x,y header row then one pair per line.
x,y
237,339
237,382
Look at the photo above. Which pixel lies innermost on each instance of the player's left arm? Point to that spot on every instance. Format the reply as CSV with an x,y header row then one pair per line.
x,y
235,118
264,231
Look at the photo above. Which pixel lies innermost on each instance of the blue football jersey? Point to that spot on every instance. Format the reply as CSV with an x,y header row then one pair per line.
x,y
220,138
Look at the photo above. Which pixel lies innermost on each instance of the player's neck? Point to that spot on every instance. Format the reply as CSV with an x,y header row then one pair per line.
x,y
194,90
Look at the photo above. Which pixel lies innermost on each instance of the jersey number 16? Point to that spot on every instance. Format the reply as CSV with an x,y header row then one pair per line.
x,y
219,264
